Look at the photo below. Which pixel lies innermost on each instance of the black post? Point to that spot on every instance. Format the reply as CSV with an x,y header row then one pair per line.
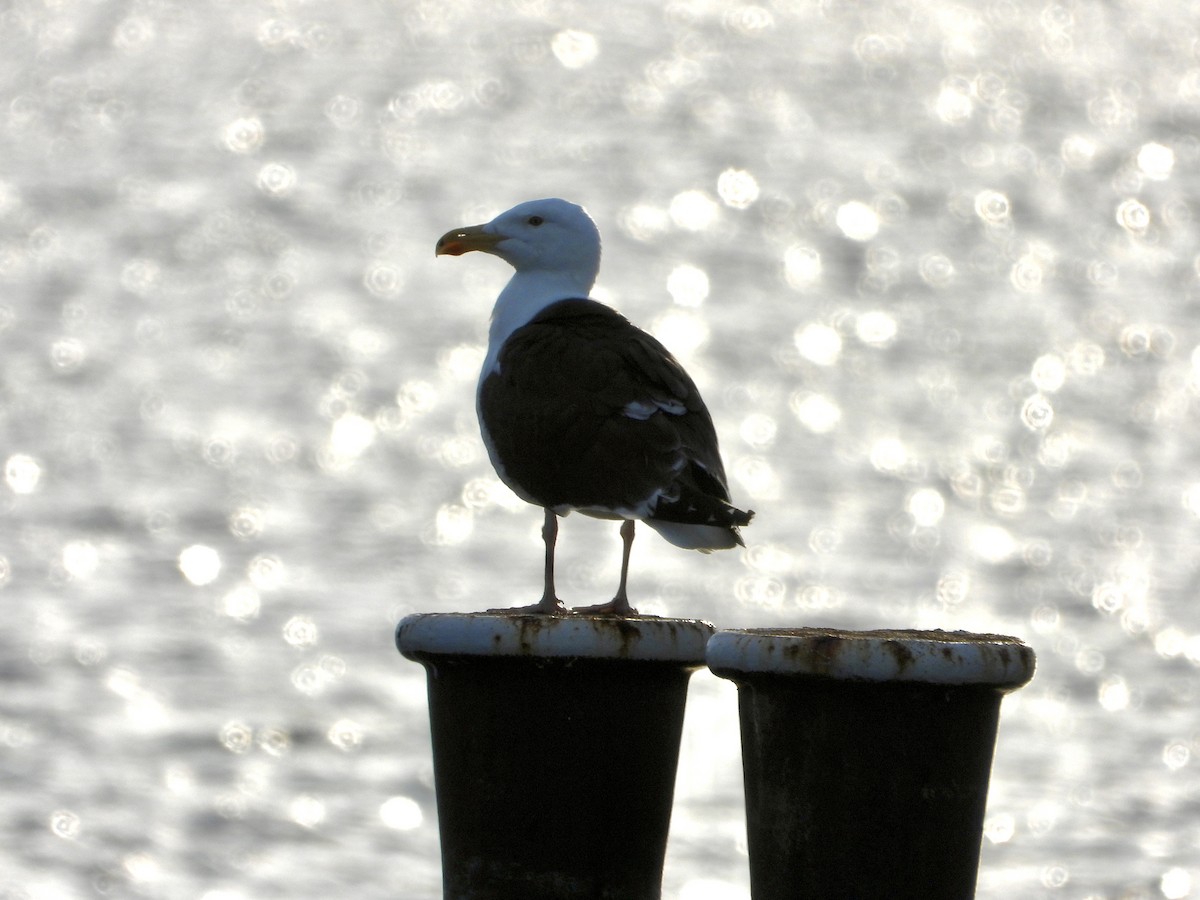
x,y
555,743
867,756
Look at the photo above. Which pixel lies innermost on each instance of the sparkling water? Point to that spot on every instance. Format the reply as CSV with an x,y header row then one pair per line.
x,y
933,266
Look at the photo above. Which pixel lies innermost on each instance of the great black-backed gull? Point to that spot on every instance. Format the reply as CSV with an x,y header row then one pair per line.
x,y
581,410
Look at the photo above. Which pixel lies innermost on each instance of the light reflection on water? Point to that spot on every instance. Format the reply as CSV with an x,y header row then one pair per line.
x,y
935,271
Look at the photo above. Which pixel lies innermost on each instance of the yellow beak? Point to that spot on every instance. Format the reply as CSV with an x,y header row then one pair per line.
x,y
464,240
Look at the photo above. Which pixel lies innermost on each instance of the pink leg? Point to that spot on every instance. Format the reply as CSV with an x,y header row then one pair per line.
x,y
619,605
549,604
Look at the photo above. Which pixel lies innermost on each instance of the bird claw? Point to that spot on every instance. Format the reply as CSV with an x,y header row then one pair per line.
x,y
547,606
614,607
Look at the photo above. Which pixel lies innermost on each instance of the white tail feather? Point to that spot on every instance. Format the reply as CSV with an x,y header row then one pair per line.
x,y
694,537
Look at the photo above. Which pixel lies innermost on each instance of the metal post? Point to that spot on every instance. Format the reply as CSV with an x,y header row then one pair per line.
x,y
555,744
866,756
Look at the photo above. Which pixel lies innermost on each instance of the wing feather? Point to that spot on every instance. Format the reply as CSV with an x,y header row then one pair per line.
x,y
557,415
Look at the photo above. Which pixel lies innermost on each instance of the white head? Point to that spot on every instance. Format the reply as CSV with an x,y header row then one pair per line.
x,y
550,242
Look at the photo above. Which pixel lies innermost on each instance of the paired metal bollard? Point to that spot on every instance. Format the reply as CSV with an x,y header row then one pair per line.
x,y
555,742
866,755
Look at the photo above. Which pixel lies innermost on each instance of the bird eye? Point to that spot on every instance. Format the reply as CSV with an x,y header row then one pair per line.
x,y
535,221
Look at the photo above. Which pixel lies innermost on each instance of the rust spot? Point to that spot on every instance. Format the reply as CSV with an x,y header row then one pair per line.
x,y
629,631
901,653
529,627
815,656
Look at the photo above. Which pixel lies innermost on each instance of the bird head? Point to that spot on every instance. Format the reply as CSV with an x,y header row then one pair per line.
x,y
548,235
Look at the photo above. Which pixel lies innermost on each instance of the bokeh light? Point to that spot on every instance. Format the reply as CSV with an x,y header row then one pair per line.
x,y
277,179
926,506
401,813
1156,161
345,734
819,344
307,811
301,632
802,265
817,413
737,188
682,332
200,564
688,285
575,49
1176,883
66,824
876,328
244,135
693,210
242,603
22,473
857,221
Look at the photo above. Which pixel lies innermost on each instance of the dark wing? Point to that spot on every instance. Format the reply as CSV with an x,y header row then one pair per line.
x,y
589,411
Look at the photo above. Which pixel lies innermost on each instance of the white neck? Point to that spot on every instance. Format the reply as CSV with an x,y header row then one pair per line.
x,y
526,295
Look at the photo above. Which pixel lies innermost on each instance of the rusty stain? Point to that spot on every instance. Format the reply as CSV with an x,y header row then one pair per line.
x,y
630,634
901,653
816,656
827,651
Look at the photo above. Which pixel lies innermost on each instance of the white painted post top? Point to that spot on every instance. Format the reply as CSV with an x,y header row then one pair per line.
x,y
577,636
931,657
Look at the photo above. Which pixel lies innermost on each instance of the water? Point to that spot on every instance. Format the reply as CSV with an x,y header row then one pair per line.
x,y
933,266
